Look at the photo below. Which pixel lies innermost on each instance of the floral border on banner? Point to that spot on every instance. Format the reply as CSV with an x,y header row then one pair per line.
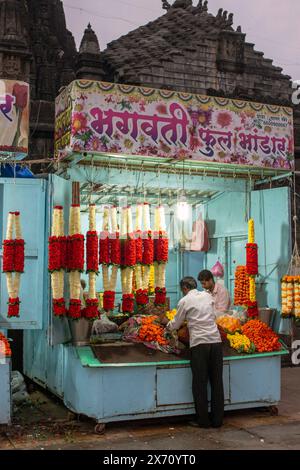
x,y
101,117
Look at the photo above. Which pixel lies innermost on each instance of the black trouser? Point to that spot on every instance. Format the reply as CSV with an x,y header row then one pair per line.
x,y
207,364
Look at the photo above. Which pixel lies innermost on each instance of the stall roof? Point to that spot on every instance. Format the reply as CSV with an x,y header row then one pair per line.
x,y
164,165
110,194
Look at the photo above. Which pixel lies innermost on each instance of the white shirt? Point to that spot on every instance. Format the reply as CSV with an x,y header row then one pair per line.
x,y
197,308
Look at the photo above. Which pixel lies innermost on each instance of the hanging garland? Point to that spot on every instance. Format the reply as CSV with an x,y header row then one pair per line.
x,y
161,253
75,261
128,260
140,271
57,261
104,257
252,259
13,262
252,269
241,286
92,264
110,257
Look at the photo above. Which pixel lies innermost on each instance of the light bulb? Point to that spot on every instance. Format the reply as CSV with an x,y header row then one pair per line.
x,y
183,209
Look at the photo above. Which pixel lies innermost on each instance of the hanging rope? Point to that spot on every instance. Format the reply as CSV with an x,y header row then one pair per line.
x,y
294,266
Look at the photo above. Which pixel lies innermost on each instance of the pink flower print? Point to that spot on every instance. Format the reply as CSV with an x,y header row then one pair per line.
x,y
224,119
162,108
79,123
94,143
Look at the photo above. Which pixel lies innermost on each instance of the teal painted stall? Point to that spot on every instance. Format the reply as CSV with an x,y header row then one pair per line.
x,y
117,392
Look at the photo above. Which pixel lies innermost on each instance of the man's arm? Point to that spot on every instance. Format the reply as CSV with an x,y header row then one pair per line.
x,y
179,318
223,301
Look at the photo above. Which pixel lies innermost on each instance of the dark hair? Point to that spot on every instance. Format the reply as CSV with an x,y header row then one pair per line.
x,y
188,282
83,283
205,275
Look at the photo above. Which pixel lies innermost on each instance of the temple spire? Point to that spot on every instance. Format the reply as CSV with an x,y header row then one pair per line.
x,y
89,62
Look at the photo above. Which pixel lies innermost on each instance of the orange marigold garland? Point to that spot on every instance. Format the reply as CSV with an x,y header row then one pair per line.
x,y
263,337
241,286
5,350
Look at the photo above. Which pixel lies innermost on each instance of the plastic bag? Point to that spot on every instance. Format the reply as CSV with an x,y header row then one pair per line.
x,y
218,270
104,325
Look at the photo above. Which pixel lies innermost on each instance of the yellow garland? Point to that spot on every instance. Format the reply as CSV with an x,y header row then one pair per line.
x,y
251,232
252,289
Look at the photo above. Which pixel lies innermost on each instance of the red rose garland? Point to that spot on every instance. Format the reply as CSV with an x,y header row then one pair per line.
x,y
252,309
139,247
13,262
57,261
161,247
13,307
130,251
59,307
252,259
76,252
115,248
75,309
141,297
75,262
92,258
109,300
128,303
104,257
160,295
91,310
8,255
148,249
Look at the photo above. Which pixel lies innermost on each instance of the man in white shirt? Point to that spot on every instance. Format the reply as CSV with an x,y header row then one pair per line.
x,y
197,309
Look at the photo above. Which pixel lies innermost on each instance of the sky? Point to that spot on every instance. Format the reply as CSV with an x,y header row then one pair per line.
x,y
272,25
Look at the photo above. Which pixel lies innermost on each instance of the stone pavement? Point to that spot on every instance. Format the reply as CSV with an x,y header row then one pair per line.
x,y
46,424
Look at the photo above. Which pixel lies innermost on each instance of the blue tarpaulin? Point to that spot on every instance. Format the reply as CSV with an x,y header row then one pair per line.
x,y
15,171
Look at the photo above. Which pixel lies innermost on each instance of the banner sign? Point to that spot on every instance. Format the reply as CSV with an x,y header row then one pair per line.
x,y
98,117
14,118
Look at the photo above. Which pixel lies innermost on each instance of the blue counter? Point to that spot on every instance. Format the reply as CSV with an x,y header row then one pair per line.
x,y
119,392
5,391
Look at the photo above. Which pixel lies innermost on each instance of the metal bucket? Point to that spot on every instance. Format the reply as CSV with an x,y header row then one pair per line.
x,y
81,331
266,315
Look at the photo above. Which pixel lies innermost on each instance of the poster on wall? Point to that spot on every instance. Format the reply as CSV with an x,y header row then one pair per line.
x,y
14,118
98,117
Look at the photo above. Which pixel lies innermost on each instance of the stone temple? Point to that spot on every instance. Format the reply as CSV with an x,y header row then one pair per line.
x,y
187,48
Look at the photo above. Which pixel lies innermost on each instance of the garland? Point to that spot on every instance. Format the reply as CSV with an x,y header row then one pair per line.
x,y
58,261
109,300
128,303
252,269
128,260
110,255
91,310
13,262
161,252
76,252
241,286
5,350
252,259
75,261
92,257
160,295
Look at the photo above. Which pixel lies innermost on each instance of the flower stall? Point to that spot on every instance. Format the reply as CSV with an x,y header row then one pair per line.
x,y
14,131
137,168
